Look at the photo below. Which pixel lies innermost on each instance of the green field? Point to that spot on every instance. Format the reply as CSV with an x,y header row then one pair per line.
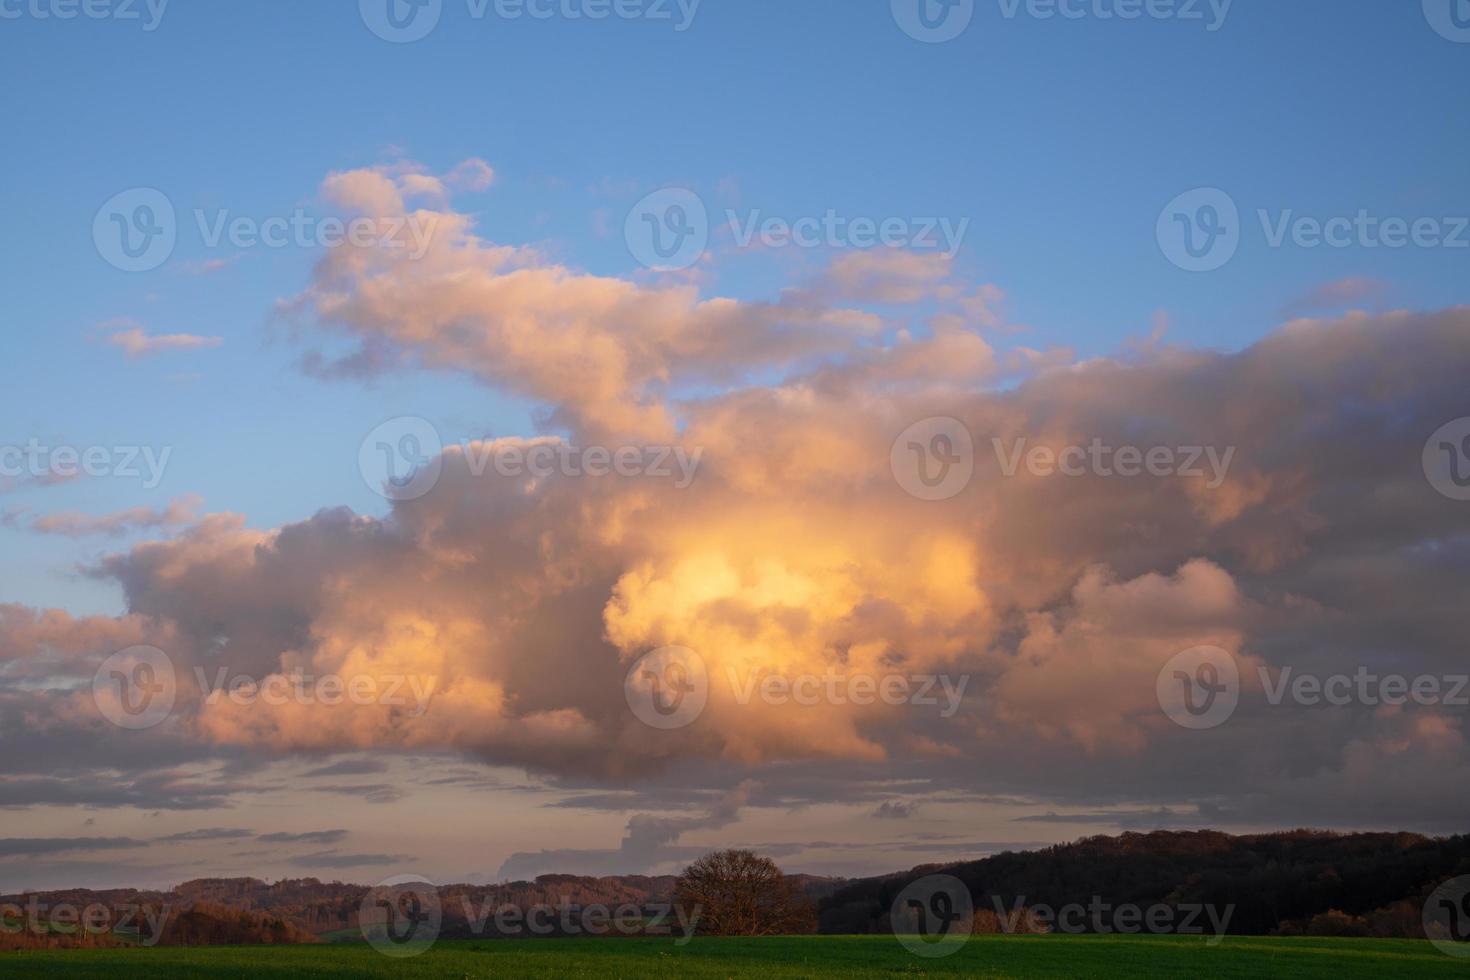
x,y
813,956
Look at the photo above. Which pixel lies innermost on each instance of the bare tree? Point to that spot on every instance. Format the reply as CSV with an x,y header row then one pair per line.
x,y
740,893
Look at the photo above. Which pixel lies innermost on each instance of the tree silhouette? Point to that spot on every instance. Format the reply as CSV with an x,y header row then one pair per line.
x,y
740,893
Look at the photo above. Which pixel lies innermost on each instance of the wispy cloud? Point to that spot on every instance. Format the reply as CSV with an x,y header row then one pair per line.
x,y
1338,295
136,342
180,512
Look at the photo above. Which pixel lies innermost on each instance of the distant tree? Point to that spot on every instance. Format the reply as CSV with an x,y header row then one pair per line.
x,y
1335,923
740,893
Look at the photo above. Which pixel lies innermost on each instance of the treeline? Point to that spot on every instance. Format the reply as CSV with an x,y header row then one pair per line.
x,y
202,924
1293,883
298,909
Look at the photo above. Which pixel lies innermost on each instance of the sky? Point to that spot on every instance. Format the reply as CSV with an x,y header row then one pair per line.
x,y
1171,230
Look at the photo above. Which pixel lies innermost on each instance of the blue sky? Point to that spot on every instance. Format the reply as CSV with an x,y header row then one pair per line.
x,y
1059,140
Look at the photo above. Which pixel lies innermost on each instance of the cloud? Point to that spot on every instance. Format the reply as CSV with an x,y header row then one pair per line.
x,y
648,844
209,833
38,846
350,767
180,512
598,349
209,267
882,276
332,859
895,810
1338,295
309,837
796,551
471,175
368,793
137,342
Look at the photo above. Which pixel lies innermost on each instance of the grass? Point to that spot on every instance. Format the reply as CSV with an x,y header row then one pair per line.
x,y
849,957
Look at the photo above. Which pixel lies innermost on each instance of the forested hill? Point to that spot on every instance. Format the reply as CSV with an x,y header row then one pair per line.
x,y
1289,882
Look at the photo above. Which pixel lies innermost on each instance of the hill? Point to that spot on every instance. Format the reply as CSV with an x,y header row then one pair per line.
x,y
1292,883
